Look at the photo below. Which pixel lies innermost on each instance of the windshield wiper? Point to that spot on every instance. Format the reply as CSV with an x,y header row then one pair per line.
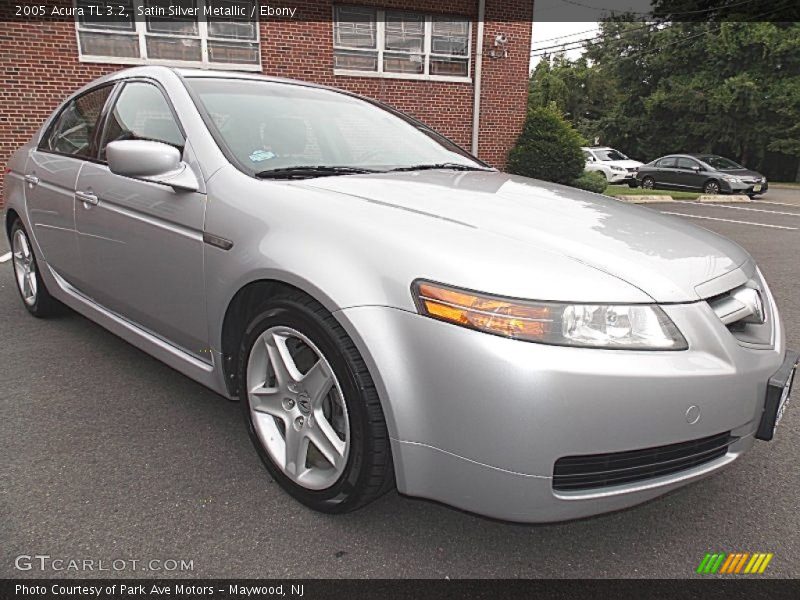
x,y
305,172
449,166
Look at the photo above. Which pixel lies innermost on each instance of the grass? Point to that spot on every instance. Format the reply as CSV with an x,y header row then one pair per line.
x,y
624,190
794,185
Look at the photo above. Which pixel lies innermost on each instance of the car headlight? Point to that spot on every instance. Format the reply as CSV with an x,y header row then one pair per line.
x,y
732,179
611,326
613,168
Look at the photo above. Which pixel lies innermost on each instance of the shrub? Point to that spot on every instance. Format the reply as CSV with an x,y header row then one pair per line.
x,y
591,181
548,148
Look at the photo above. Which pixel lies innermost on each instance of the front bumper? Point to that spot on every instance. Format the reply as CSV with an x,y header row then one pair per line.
x,y
744,188
622,177
478,421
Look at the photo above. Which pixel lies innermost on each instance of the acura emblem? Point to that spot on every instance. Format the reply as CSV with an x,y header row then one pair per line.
x,y
304,402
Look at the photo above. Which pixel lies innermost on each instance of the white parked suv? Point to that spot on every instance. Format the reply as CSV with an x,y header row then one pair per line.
x,y
613,164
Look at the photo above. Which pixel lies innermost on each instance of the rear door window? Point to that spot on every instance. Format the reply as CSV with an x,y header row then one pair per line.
x,y
687,163
667,163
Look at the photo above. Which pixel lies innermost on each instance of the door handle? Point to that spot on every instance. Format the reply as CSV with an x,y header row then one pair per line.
x,y
32,180
87,198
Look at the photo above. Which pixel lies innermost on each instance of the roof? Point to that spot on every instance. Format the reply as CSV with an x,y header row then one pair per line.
x,y
221,74
160,72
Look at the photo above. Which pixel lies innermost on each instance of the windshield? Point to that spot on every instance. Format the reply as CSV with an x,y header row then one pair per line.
x,y
718,162
610,154
267,126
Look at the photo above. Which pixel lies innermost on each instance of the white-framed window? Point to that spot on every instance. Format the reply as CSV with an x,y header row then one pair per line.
x,y
372,42
196,39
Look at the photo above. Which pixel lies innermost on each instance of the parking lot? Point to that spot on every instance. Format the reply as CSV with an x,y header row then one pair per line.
x,y
105,453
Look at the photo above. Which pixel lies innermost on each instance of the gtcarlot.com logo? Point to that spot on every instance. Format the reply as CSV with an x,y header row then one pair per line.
x,y
45,562
734,563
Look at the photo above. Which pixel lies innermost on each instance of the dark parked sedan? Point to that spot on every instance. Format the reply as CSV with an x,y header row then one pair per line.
x,y
707,172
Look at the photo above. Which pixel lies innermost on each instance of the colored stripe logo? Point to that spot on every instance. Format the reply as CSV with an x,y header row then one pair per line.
x,y
734,563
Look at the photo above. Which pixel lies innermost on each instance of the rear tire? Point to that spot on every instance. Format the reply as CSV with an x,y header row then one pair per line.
x,y
31,288
342,460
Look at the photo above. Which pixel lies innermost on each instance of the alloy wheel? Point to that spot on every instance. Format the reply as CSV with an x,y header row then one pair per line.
x,y
24,267
297,408
648,183
712,187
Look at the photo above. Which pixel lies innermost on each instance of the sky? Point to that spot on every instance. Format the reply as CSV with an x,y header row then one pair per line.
x,y
545,31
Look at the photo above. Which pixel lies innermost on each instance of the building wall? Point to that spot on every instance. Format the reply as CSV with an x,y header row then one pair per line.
x,y
39,66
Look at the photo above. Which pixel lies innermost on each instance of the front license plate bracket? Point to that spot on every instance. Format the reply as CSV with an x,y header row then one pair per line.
x,y
779,388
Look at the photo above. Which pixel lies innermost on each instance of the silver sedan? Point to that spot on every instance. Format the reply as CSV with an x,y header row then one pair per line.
x,y
389,310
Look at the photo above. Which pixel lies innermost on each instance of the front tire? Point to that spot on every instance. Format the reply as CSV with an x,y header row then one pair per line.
x,y
29,282
311,407
648,183
711,187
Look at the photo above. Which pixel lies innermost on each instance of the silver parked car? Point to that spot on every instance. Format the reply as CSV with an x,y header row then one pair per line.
x,y
390,310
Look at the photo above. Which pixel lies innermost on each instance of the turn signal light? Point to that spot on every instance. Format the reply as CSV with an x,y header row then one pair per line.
x,y
493,315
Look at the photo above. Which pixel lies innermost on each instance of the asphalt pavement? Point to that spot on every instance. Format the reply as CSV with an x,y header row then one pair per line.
x,y
782,193
107,454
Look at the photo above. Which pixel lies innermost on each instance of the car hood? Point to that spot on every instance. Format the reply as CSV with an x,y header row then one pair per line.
x,y
663,256
628,164
741,173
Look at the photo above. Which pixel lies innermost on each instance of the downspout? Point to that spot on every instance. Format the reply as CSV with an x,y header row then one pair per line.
x,y
476,102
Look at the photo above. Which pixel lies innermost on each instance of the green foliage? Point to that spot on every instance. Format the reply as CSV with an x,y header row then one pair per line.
x,y
729,87
591,181
579,92
548,148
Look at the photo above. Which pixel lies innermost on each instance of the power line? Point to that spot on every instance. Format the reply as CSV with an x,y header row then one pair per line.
x,y
575,44
559,37
590,39
680,14
683,41
716,30
679,42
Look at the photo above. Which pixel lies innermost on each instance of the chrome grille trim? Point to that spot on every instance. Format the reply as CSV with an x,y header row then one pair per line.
x,y
740,304
748,312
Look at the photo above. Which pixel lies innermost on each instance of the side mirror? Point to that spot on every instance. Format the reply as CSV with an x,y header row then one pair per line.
x,y
151,161
696,169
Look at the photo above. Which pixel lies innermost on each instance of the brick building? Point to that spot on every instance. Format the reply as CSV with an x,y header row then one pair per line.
x,y
417,55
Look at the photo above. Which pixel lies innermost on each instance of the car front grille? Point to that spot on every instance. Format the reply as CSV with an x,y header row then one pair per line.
x,y
590,471
746,312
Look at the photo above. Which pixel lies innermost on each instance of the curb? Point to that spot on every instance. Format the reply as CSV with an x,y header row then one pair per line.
x,y
706,198
723,198
642,199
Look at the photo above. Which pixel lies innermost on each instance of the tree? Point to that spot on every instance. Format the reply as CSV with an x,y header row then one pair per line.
x,y
723,86
581,93
548,148
727,87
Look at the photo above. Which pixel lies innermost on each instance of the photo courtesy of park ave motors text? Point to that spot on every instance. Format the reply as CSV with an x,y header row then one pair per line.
x,y
398,289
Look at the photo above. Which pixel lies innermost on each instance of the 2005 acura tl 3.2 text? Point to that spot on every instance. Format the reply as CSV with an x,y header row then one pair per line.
x,y
389,309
